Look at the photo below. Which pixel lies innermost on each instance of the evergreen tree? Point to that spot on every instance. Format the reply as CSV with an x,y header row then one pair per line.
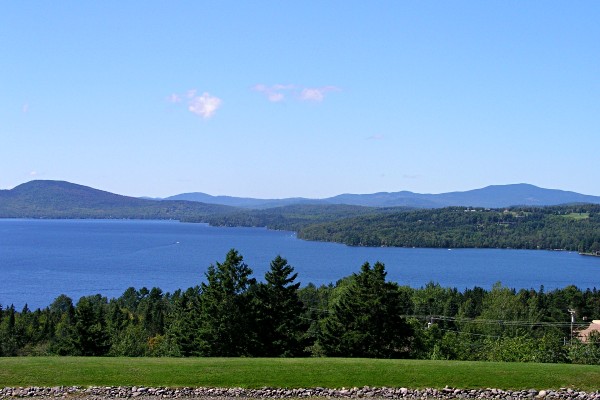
x,y
91,327
366,320
153,314
226,318
281,331
184,322
9,344
118,317
64,338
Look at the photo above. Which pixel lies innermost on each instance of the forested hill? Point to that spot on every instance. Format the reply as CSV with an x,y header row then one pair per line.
x,y
59,199
295,217
569,227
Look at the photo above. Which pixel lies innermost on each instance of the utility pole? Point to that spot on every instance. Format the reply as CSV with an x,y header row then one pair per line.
x,y
572,312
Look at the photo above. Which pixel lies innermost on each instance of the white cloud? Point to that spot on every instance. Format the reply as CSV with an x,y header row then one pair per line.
x,y
275,93
25,108
316,94
312,94
205,105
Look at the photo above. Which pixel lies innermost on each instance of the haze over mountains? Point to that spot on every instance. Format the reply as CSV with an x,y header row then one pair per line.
x,y
495,196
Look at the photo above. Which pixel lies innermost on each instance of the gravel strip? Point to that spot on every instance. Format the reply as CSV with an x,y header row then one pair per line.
x,y
144,393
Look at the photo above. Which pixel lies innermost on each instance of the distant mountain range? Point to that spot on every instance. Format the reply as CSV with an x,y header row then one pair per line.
x,y
379,219
245,202
496,196
59,199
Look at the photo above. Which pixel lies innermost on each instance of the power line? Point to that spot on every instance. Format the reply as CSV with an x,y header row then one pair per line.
x,y
481,321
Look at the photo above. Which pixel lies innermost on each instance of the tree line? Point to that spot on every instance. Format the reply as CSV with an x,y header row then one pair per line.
x,y
363,315
570,227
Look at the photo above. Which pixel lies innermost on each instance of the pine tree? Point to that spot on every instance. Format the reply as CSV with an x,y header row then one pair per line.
x,y
183,325
281,331
64,339
153,310
366,321
92,334
226,318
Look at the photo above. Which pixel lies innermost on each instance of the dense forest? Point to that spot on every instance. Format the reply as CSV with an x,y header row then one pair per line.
x,y
293,217
232,314
569,227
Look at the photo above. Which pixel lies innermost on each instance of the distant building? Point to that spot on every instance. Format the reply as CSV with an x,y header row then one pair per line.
x,y
593,328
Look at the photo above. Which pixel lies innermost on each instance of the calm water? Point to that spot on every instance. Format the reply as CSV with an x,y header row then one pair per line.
x,y
41,259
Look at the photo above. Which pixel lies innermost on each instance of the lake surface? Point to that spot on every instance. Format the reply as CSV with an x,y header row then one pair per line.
x,y
41,259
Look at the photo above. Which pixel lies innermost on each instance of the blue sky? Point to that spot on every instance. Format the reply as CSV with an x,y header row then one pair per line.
x,y
278,99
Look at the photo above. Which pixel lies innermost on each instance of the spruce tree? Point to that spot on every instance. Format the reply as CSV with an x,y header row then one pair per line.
x,y
281,331
226,317
64,338
90,324
183,325
366,320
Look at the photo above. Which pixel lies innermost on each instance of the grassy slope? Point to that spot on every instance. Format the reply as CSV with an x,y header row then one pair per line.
x,y
320,372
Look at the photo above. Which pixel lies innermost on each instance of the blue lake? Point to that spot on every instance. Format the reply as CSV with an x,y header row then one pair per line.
x,y
41,259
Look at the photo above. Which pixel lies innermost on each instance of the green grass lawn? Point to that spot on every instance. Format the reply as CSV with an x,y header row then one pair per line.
x,y
290,373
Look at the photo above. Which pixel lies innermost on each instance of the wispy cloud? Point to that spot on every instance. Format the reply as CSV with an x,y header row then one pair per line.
x,y
316,94
275,97
278,93
409,176
204,105
25,108
275,93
